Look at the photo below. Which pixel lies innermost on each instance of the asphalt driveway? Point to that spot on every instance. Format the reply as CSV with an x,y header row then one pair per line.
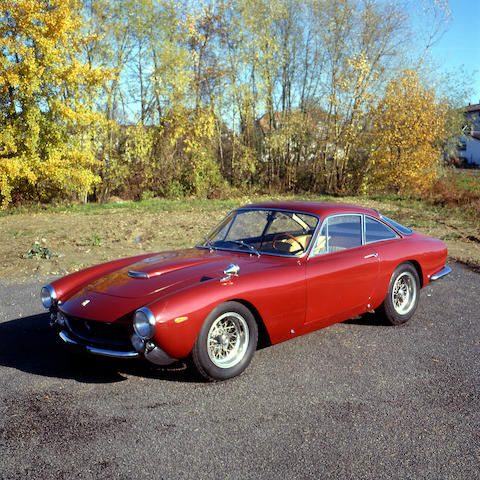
x,y
358,400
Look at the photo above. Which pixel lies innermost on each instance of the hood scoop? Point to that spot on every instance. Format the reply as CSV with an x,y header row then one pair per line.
x,y
147,270
135,274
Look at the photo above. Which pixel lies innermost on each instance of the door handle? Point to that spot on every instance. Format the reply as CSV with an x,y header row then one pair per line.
x,y
371,255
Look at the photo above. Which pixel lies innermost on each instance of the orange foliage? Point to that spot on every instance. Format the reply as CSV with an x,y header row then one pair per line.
x,y
408,123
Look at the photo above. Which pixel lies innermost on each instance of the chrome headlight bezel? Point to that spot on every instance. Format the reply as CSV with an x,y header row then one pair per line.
x,y
144,323
48,296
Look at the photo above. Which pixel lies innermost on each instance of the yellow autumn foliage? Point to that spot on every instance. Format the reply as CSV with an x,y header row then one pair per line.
x,y
407,125
281,94
46,147
195,130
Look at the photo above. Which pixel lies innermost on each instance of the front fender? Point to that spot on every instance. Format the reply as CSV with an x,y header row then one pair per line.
x,y
181,315
278,295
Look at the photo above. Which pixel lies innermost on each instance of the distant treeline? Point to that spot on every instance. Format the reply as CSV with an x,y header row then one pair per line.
x,y
171,98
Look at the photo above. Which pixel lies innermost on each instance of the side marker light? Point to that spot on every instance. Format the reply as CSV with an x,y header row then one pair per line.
x,y
180,319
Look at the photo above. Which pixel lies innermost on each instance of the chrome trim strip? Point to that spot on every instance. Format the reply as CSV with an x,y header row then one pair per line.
x,y
364,229
444,271
384,240
249,252
112,353
134,274
97,351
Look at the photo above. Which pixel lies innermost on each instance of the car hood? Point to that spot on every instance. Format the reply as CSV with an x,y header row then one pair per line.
x,y
165,270
115,295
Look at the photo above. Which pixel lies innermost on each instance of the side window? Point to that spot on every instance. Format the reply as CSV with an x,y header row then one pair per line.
x,y
344,231
376,231
339,233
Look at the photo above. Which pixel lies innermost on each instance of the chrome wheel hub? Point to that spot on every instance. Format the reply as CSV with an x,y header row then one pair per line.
x,y
404,293
227,340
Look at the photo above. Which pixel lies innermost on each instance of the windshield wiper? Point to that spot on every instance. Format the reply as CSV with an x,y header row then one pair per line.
x,y
243,244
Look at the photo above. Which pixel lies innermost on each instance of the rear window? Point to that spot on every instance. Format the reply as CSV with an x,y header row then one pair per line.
x,y
376,231
397,226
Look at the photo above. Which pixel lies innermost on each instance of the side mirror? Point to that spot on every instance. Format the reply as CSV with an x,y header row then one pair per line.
x,y
232,270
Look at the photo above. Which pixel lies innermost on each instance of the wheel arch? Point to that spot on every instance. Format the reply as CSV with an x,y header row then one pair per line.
x,y
399,314
263,335
418,268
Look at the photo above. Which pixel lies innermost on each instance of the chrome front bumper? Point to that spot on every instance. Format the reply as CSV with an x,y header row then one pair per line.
x,y
444,271
98,351
153,354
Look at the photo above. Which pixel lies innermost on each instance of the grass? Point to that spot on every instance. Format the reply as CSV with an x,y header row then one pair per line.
x,y
185,204
150,205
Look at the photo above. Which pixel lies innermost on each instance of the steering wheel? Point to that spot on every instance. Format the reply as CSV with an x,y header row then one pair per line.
x,y
287,235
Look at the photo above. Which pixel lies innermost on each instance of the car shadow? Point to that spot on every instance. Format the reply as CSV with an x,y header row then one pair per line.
x,y
368,318
30,345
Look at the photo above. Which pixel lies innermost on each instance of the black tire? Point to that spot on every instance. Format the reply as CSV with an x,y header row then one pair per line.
x,y
403,294
226,343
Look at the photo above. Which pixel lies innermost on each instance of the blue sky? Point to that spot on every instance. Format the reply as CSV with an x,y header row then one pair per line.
x,y
460,46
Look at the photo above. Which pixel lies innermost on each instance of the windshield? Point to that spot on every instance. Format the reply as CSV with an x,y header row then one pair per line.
x,y
264,231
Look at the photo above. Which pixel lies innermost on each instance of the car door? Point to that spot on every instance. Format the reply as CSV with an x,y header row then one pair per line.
x,y
341,271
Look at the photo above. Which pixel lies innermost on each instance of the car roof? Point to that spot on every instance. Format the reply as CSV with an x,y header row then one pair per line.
x,y
317,208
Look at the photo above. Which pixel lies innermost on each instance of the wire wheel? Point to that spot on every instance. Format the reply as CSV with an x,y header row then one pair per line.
x,y
227,340
404,293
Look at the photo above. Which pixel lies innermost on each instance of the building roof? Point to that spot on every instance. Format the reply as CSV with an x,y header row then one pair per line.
x,y
472,108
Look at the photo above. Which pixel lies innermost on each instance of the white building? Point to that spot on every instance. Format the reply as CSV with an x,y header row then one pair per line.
x,y
469,146
469,149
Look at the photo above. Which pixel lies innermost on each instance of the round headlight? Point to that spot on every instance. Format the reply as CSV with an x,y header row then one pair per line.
x,y
144,323
48,296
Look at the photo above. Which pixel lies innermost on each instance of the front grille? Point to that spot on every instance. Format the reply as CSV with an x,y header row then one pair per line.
x,y
99,333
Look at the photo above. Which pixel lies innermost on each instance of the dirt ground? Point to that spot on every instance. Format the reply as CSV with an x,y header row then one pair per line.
x,y
83,239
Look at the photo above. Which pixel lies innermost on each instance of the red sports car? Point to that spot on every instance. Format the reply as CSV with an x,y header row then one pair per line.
x,y
268,271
